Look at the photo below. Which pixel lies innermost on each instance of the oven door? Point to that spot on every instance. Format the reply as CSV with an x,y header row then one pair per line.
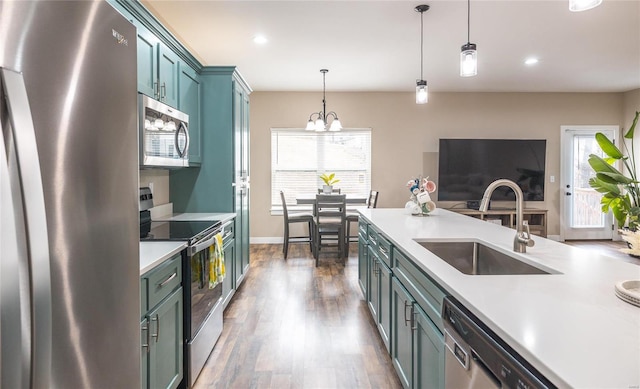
x,y
204,295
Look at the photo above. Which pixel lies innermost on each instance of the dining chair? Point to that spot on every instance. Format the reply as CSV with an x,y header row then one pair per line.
x,y
352,217
297,217
329,223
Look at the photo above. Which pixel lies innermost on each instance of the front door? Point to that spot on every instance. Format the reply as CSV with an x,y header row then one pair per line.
x,y
581,215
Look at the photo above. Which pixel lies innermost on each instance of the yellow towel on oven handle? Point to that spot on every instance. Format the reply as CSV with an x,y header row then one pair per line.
x,y
216,262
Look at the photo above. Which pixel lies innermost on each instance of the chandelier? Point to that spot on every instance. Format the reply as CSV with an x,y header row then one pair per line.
x,y
322,117
422,91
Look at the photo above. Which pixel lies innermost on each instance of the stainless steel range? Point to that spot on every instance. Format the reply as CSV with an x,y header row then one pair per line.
x,y
203,303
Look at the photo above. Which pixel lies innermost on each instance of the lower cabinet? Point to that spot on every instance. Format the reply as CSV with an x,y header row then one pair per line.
x,y
229,248
363,263
161,326
417,344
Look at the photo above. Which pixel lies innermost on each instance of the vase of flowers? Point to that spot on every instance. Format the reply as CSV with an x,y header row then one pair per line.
x,y
420,203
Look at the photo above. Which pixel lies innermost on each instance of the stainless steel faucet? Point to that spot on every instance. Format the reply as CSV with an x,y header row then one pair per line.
x,y
521,241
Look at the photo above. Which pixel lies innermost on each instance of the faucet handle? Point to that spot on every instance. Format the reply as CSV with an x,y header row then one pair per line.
x,y
530,242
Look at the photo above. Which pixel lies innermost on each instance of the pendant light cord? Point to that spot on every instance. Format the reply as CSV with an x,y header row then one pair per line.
x,y
468,21
421,44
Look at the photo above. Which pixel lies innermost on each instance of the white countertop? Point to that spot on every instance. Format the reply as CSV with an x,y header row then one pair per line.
x,y
153,254
570,326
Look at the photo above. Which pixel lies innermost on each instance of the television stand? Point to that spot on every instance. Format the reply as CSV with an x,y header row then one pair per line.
x,y
537,218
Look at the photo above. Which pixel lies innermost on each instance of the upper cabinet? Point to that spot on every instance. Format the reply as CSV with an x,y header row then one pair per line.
x,y
189,96
168,71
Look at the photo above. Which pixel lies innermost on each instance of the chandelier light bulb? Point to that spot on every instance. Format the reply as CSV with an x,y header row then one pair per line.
x,y
319,126
583,5
310,125
335,125
422,92
468,60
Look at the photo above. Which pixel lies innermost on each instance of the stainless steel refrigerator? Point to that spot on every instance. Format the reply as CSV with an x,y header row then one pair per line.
x,y
69,256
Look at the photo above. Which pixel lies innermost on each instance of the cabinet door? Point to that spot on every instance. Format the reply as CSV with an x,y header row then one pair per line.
x,y
168,75
189,102
166,342
429,354
362,265
401,332
147,61
227,283
241,177
384,307
144,355
373,297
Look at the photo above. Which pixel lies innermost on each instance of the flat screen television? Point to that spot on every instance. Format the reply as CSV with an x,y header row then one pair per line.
x,y
467,166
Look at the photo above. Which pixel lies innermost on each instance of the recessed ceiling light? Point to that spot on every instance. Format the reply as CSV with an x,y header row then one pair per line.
x,y
260,40
531,61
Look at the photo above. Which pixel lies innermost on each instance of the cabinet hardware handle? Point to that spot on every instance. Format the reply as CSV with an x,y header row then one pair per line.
x,y
146,345
163,89
406,305
156,91
383,251
157,328
414,314
171,277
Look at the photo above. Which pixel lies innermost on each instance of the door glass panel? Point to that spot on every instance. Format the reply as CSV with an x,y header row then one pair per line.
x,y
586,210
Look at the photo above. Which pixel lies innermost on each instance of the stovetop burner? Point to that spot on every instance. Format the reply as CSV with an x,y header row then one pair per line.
x,y
180,230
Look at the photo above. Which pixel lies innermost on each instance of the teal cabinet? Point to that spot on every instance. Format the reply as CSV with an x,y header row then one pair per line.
x,y
384,310
363,261
161,326
428,360
373,295
221,184
168,73
147,46
166,343
189,100
229,248
417,344
401,338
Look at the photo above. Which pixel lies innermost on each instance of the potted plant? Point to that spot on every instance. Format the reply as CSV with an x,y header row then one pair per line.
x,y
620,192
329,181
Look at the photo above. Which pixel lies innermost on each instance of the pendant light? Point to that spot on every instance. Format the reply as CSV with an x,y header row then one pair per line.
x,y
422,91
583,5
323,116
469,54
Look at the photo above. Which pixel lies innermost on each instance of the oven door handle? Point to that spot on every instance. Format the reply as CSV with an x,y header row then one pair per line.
x,y
203,244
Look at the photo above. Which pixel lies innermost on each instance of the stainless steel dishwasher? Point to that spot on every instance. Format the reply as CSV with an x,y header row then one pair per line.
x,y
475,357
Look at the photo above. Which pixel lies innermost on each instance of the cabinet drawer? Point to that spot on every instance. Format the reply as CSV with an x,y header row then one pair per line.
x,y
425,291
381,245
362,229
228,232
163,280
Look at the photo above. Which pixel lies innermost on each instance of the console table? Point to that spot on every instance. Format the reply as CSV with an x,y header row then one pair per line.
x,y
537,218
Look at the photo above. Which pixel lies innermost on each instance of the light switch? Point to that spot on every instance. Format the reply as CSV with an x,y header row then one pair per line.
x,y
552,178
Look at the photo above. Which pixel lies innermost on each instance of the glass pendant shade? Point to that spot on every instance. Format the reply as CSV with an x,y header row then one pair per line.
x,y
319,126
335,125
422,92
310,125
468,60
583,5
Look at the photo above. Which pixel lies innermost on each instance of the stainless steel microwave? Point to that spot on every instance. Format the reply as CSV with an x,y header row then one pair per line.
x,y
164,135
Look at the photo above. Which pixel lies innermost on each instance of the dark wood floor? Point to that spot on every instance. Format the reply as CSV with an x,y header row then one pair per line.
x,y
292,325
606,247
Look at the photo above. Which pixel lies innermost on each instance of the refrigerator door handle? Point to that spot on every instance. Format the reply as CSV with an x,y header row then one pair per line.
x,y
35,224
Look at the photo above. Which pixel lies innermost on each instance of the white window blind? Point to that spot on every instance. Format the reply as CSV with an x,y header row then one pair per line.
x,y
298,157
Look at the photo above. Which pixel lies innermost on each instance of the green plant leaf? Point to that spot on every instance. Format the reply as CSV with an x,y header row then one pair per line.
x,y
600,165
614,178
608,147
629,134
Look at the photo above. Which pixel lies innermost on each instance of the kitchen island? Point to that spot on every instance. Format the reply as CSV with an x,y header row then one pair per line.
x,y
569,324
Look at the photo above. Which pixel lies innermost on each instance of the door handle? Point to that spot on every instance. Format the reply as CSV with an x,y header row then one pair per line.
x,y
567,193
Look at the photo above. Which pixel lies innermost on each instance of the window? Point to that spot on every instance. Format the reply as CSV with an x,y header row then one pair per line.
x,y
298,157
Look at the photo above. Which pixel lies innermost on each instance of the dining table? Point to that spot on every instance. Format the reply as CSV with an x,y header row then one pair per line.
x,y
351,199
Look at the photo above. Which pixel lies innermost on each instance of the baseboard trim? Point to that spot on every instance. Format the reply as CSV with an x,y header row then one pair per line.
x,y
554,237
266,240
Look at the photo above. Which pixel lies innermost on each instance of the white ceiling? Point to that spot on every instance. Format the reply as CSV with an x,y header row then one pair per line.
x,y
375,45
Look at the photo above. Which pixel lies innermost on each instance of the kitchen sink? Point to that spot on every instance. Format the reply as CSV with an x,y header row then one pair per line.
x,y
475,258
